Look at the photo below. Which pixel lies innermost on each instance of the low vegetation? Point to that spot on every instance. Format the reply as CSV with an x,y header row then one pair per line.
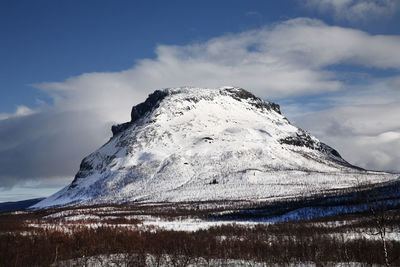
x,y
114,233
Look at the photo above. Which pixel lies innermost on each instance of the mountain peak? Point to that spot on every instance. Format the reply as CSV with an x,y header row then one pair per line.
x,y
199,144
192,94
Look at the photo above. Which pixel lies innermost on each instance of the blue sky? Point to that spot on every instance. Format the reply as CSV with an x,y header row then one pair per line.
x,y
70,69
53,40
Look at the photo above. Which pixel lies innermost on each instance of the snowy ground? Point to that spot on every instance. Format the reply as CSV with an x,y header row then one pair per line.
x,y
123,260
167,221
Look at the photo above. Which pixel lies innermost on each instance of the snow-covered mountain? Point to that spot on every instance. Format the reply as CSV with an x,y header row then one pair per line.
x,y
194,144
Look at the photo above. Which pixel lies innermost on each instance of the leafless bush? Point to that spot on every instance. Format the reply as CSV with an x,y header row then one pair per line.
x,y
279,243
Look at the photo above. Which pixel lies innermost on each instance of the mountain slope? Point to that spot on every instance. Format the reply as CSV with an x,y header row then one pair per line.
x,y
192,144
18,205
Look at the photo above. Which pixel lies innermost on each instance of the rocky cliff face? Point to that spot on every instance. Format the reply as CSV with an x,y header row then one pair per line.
x,y
141,110
193,144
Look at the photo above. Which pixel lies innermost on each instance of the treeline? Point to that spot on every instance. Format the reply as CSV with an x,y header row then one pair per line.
x,y
280,243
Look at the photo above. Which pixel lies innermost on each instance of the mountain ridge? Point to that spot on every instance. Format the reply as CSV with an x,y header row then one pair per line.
x,y
192,144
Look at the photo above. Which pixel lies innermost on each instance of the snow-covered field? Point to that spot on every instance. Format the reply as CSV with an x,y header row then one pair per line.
x,y
192,234
125,260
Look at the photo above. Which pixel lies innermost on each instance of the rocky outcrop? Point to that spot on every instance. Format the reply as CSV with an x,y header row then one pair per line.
x,y
302,139
140,110
239,94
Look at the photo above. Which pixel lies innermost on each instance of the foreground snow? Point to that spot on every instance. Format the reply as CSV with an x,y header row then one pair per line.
x,y
168,260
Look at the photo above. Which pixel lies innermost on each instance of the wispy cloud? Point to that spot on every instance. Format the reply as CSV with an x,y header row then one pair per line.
x,y
354,10
279,61
20,111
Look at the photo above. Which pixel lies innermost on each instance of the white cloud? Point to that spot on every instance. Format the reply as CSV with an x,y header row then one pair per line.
x,y
364,127
367,136
284,60
355,10
19,111
313,43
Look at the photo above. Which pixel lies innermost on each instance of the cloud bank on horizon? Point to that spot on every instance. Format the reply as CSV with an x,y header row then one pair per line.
x,y
284,62
354,11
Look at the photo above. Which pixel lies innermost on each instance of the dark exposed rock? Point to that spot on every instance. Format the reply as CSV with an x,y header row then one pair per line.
x,y
330,150
120,128
74,183
138,111
85,169
214,181
85,165
151,103
274,106
336,156
239,94
301,139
